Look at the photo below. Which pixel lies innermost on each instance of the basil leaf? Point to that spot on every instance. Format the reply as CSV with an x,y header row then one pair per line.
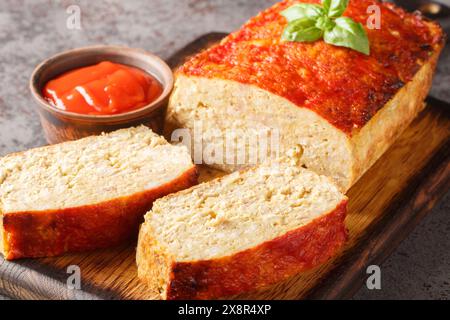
x,y
350,34
302,30
335,8
311,22
326,5
302,11
324,23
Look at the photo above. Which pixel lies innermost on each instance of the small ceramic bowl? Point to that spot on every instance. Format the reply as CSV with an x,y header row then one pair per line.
x,y
60,125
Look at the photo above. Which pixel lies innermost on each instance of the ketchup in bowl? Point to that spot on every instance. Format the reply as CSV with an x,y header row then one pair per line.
x,y
103,89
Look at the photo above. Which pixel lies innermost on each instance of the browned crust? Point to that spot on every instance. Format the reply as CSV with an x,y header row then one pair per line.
x,y
2,235
153,261
342,86
374,139
54,232
255,268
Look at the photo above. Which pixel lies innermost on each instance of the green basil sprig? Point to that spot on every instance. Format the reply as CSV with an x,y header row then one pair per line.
x,y
311,22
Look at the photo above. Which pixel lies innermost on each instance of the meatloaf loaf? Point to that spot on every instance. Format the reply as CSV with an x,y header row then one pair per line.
x,y
87,194
242,232
343,107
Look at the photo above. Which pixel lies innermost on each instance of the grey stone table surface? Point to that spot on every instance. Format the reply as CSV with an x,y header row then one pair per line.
x,y
32,30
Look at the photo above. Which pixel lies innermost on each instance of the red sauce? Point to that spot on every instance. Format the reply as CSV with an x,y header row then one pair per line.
x,y
343,86
103,89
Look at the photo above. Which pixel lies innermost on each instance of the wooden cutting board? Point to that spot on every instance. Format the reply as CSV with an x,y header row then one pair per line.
x,y
385,206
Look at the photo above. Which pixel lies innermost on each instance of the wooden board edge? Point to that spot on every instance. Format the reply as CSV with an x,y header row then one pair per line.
x,y
382,238
31,279
19,286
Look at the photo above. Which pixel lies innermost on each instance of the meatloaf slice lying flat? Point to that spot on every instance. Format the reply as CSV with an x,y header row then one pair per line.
x,y
241,232
345,108
87,194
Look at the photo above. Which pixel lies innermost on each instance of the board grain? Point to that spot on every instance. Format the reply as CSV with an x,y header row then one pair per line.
x,y
385,206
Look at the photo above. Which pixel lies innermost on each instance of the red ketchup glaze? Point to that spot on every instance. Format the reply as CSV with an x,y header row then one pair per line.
x,y
343,86
103,89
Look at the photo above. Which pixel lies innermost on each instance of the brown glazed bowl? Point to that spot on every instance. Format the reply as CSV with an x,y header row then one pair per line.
x,y
60,126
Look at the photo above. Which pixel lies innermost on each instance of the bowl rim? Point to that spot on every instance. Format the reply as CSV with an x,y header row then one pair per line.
x,y
122,50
